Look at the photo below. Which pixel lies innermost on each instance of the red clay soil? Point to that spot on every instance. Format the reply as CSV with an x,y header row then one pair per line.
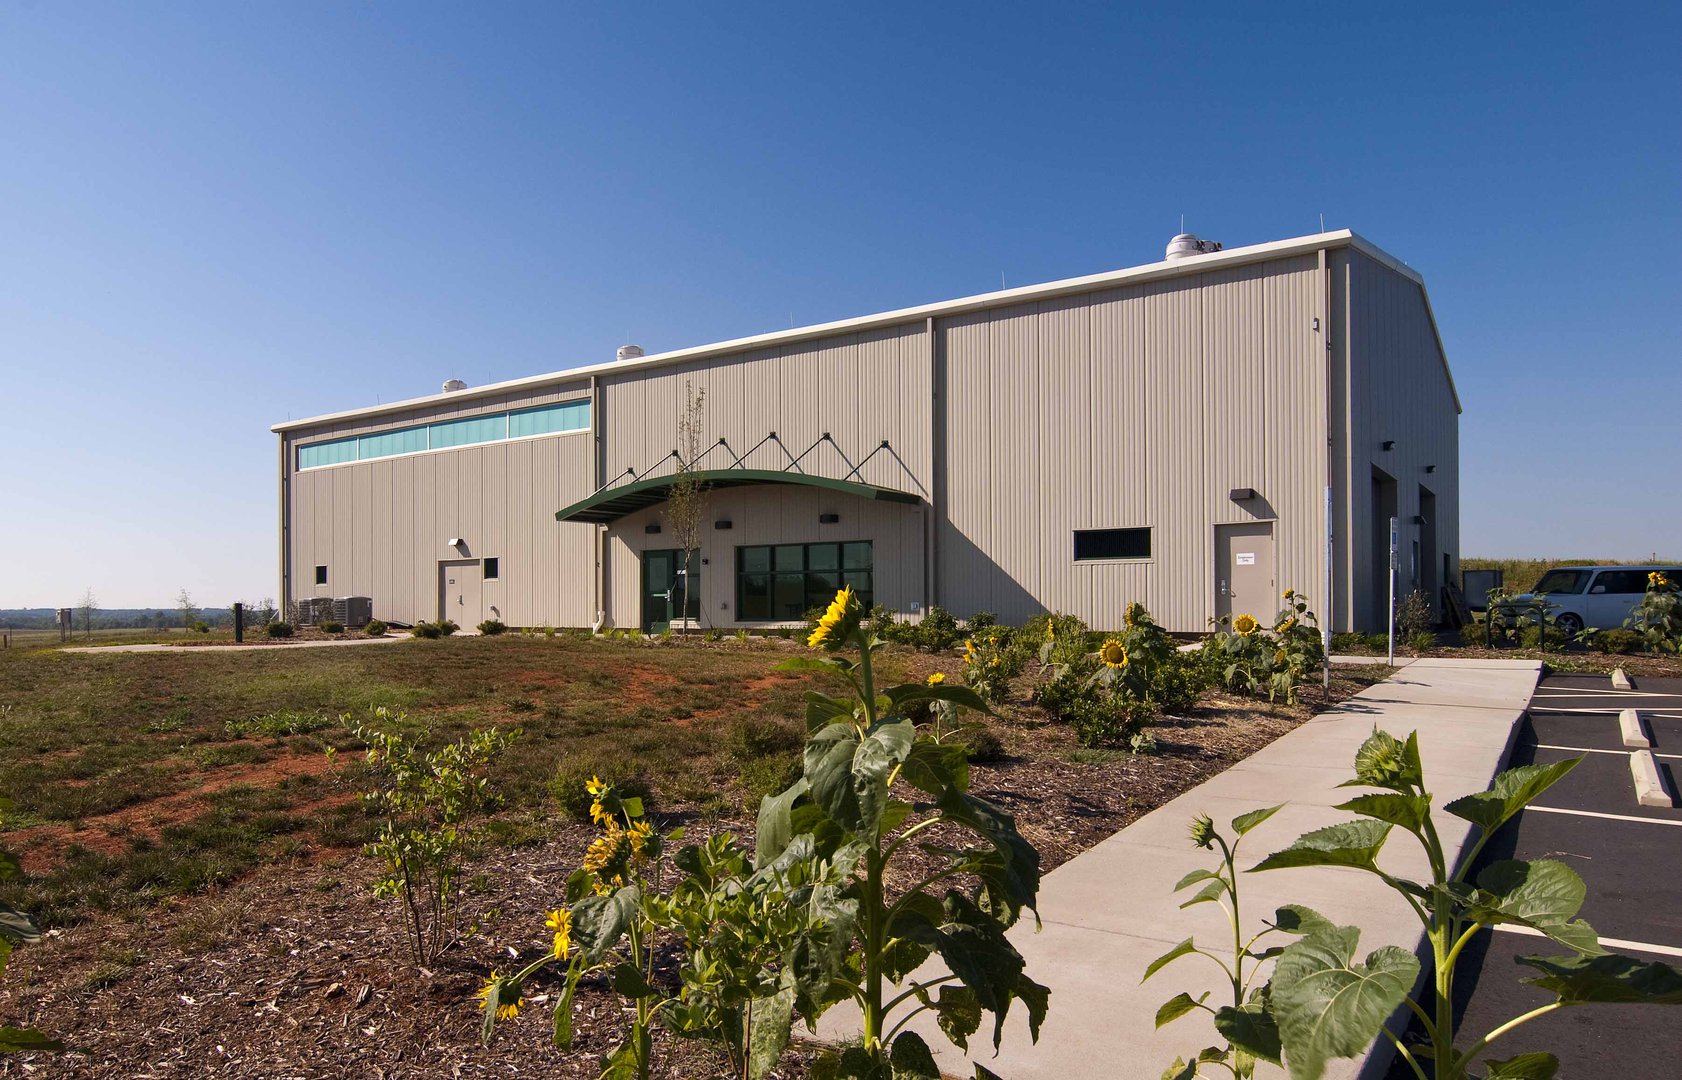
x,y
41,847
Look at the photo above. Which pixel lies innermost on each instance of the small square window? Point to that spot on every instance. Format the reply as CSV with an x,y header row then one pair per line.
x,y
491,569
321,575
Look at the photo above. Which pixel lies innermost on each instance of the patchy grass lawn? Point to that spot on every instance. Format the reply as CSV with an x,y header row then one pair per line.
x,y
138,776
199,860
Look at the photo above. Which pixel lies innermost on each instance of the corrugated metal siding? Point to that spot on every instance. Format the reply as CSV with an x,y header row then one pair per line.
x,y
861,388
381,529
1399,391
1139,406
771,515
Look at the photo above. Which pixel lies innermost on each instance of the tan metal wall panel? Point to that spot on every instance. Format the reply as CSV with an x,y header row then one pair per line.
x,y
381,527
1133,407
861,388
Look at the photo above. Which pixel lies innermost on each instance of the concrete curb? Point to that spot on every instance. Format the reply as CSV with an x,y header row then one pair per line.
x,y
1620,681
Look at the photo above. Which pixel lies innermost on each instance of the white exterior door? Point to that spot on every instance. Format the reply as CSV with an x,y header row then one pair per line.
x,y
1244,578
459,590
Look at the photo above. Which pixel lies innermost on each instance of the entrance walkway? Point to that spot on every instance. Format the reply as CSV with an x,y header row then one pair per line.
x,y
1112,910
339,643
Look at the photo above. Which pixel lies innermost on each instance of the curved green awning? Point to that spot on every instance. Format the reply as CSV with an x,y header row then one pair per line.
x,y
611,504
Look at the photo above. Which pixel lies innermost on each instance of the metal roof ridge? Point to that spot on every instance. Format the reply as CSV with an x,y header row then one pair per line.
x,y
976,302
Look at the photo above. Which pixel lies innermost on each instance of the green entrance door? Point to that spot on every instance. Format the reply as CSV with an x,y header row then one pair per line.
x,y
662,588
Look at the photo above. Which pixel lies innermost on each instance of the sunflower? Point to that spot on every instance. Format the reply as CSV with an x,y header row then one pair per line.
x,y
831,618
1113,653
1202,830
1050,629
1285,627
969,651
1245,624
610,857
1657,580
1134,613
1279,656
505,1010
936,679
560,921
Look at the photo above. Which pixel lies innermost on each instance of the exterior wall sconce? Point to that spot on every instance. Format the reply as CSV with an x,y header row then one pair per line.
x,y
456,541
1241,494
1387,444
1430,468
828,519
724,523
1419,519
651,529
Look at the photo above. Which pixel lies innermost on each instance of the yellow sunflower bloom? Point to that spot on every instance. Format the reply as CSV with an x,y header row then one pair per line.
x,y
936,679
560,921
1245,624
505,1010
831,618
1113,653
1285,626
595,786
969,651
1050,630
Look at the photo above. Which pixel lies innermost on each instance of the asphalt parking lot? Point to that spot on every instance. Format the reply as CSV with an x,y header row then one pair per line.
x,y
1629,855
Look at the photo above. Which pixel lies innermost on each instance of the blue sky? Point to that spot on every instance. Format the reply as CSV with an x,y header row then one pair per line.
x,y
215,217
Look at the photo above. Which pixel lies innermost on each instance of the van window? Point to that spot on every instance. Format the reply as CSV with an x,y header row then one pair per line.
x,y
1563,581
1623,581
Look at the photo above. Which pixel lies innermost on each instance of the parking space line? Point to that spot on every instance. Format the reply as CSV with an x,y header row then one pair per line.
x,y
1597,750
1663,714
1610,942
1598,814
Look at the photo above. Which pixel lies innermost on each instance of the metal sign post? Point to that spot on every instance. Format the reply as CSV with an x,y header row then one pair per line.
x,y
1392,608
1326,602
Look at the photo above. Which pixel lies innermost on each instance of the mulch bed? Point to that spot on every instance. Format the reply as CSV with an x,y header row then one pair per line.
x,y
297,971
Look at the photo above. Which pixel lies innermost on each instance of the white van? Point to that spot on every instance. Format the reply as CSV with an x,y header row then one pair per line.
x,y
1598,596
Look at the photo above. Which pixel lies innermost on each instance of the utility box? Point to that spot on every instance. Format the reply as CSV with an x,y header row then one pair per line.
x,y
353,610
1478,584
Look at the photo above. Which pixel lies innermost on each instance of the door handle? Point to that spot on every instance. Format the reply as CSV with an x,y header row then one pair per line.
x,y
1224,590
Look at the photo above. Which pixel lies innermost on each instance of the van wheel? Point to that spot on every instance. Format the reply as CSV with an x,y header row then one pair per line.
x,y
1569,623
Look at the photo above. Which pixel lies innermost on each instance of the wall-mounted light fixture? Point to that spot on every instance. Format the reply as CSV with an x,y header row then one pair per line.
x,y
456,541
651,529
828,519
724,523
1241,494
1419,519
1430,468
1387,444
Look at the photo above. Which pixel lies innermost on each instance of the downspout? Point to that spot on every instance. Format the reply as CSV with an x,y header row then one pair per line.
x,y
598,541
285,531
931,510
1330,608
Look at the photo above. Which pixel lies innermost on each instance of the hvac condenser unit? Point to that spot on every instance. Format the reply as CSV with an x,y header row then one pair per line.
x,y
353,610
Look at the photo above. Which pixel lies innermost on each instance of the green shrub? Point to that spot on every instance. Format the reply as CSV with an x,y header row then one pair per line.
x,y
1534,637
278,629
427,630
1099,714
1423,641
447,627
331,627
1378,643
1618,641
990,662
938,632
1413,615
1350,643
1060,639
1475,635
576,770
981,620
375,628
490,627
981,743
201,627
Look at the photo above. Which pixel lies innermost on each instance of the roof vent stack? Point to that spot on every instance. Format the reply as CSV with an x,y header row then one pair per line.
x,y
1186,244
452,386
629,352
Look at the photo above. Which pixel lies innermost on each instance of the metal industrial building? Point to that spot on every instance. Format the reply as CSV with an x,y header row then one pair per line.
x,y
1196,434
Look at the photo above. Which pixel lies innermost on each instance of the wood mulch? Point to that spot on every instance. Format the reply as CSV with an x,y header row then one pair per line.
x,y
298,972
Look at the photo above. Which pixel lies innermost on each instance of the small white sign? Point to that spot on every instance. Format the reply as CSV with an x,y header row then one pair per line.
x,y
1246,558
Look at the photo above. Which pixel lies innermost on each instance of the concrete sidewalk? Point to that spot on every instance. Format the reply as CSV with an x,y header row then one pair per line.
x,y
1111,911
189,649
